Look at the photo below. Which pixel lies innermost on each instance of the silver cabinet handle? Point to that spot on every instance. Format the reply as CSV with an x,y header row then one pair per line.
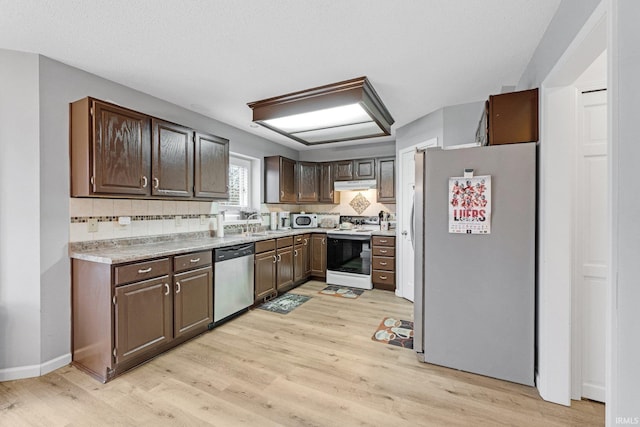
x,y
275,259
166,285
177,287
194,260
383,277
156,183
382,251
281,193
144,182
279,257
323,241
305,242
330,193
383,241
383,263
146,270
295,252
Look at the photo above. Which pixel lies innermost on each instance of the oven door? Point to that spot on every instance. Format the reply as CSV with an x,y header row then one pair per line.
x,y
349,254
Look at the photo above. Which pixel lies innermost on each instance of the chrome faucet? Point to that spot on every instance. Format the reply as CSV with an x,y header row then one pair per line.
x,y
256,214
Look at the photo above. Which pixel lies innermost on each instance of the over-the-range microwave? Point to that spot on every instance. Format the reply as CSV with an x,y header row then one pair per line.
x,y
304,220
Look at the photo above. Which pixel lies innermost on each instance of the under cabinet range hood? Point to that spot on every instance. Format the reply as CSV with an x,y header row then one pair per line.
x,y
365,184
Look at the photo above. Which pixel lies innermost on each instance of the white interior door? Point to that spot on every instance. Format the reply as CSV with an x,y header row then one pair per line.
x,y
592,242
405,258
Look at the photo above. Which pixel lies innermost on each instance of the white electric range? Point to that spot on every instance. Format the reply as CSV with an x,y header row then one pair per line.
x,y
349,252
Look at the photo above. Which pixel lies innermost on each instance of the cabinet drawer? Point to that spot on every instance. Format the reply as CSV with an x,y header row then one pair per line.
x,y
383,251
265,245
283,242
383,277
383,241
142,270
190,261
383,263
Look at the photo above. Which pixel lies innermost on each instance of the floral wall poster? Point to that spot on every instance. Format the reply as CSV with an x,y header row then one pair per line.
x,y
470,205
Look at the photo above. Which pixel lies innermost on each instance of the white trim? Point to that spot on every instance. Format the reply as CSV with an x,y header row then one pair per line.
x,y
53,364
401,290
31,371
555,234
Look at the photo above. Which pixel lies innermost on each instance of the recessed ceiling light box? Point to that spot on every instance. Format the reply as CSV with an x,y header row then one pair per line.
x,y
341,111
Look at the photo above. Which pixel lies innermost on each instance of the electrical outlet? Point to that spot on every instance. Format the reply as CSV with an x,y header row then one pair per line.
x,y
204,220
92,225
178,221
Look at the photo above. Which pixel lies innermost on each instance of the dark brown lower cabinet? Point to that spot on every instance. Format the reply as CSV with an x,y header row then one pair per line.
x,y
126,314
285,267
265,274
318,256
298,263
193,301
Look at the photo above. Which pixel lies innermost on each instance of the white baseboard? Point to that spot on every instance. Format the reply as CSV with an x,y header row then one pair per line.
x,y
30,371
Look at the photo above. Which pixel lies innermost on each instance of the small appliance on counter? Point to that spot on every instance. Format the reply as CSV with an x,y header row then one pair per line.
x,y
284,220
304,220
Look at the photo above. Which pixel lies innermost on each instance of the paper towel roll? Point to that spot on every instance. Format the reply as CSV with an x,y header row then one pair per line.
x,y
220,227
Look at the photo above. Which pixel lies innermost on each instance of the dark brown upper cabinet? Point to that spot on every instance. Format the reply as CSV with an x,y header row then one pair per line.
x,y
172,160
352,170
307,182
325,185
117,152
110,150
279,180
211,167
386,180
513,117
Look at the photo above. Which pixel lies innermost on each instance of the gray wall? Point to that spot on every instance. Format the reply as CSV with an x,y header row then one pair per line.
x,y
380,149
420,130
568,20
625,63
20,217
461,122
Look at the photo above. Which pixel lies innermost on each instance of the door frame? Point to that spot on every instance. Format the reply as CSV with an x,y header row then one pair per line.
x,y
401,290
558,104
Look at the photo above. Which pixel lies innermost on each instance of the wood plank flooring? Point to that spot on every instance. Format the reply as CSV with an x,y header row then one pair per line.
x,y
316,366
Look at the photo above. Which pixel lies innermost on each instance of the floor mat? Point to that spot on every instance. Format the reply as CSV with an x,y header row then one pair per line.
x,y
341,291
395,332
285,303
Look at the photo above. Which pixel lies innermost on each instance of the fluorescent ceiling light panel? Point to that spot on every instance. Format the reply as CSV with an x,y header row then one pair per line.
x,y
337,112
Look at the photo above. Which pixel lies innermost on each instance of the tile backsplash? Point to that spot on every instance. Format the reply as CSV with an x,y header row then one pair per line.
x,y
155,217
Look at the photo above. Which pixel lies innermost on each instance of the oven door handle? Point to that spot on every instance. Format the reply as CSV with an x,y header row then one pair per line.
x,y
362,238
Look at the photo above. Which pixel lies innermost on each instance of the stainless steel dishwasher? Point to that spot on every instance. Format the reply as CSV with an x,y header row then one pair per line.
x,y
233,280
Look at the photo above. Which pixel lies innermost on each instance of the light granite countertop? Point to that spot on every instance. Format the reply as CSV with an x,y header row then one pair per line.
x,y
118,251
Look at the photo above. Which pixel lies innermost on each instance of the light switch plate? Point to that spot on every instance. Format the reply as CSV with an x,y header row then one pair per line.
x,y
92,225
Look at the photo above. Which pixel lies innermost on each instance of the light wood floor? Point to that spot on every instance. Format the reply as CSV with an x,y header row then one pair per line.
x,y
316,366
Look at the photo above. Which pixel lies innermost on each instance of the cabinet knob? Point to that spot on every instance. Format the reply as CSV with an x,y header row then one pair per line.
x,y
144,182
168,289
156,183
177,287
279,257
295,252
275,259
305,242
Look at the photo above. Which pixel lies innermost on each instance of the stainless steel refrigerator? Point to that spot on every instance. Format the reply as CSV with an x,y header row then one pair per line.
x,y
475,293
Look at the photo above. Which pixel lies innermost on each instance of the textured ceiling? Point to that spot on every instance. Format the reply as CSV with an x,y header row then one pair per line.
x,y
215,56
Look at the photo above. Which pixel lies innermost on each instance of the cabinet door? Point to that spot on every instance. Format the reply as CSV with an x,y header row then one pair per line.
x,y
513,117
144,317
211,167
387,180
343,170
171,160
325,193
307,182
265,274
121,150
298,263
285,267
318,255
306,254
287,180
193,301
364,169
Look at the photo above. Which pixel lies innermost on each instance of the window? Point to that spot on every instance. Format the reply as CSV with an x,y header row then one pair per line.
x,y
243,172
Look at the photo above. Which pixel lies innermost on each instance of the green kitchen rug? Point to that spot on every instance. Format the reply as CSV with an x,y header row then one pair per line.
x,y
395,332
341,291
285,304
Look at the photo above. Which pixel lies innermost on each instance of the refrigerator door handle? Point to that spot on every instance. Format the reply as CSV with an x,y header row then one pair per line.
x,y
412,222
